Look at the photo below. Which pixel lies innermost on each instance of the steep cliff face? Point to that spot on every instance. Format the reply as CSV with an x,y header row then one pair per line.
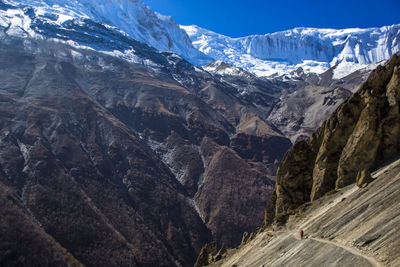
x,y
361,134
315,50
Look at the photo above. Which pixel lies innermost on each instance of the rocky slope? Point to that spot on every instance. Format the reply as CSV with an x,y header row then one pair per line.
x,y
23,240
301,112
351,227
82,176
311,100
297,103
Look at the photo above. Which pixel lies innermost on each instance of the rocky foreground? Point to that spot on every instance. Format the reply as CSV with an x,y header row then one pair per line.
x,y
350,227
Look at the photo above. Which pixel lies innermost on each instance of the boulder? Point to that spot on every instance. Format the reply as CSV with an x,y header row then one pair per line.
x,y
206,253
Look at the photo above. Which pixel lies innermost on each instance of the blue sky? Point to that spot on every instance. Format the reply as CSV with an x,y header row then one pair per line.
x,y
245,17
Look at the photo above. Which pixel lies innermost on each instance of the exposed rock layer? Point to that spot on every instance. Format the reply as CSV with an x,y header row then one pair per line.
x,y
361,134
351,226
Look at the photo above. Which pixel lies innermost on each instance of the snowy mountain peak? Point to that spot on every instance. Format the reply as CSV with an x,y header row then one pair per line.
x,y
315,50
113,26
132,17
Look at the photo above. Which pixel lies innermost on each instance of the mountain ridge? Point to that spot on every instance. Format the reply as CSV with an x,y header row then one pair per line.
x,y
130,17
315,50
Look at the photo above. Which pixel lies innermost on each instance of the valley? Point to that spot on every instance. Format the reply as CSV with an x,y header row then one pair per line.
x,y
127,139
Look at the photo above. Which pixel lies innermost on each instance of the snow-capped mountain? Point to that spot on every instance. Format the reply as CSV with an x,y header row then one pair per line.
x,y
219,67
120,23
314,50
129,17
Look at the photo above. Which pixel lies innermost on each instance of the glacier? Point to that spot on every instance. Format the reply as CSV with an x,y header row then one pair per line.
x,y
116,24
314,50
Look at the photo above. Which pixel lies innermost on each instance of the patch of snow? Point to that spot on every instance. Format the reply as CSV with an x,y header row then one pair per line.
x,y
4,22
76,55
24,151
167,157
198,70
192,203
345,68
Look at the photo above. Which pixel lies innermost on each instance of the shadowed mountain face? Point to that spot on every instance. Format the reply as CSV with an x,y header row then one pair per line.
x,y
85,177
103,160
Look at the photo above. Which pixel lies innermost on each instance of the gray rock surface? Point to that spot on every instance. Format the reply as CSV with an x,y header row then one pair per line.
x,y
351,227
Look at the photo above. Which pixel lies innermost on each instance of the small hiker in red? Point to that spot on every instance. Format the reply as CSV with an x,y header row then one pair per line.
x,y
301,234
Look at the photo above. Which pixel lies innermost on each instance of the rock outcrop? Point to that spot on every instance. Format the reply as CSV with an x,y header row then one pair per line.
x,y
361,134
363,178
350,226
206,255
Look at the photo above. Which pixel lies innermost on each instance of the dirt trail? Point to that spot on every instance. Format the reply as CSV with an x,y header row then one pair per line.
x,y
299,245
351,250
347,220
354,251
321,212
